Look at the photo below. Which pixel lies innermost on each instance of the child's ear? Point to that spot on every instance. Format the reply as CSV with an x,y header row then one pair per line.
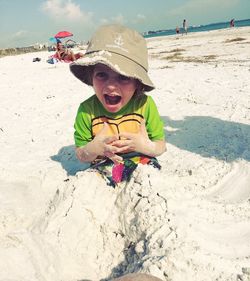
x,y
139,87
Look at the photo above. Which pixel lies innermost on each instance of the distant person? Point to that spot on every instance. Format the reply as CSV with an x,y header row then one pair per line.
x,y
64,54
184,26
177,30
232,23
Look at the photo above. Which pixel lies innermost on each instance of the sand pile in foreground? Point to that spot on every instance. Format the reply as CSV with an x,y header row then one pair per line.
x,y
189,221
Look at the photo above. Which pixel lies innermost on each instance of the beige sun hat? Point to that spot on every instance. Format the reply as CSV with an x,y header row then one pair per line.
x,y
122,49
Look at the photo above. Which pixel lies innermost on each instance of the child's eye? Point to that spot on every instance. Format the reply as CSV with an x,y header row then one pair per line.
x,y
124,79
101,75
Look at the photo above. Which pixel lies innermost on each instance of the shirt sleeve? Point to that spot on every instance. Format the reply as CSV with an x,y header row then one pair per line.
x,y
82,134
154,124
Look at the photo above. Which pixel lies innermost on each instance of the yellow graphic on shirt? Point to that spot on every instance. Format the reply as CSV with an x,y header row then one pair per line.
x,y
129,123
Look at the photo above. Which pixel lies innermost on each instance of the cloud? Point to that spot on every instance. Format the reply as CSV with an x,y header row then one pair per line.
x,y
20,34
104,21
139,18
196,6
65,10
116,19
119,19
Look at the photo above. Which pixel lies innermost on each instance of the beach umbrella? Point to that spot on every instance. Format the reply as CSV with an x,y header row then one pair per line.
x,y
55,40
63,34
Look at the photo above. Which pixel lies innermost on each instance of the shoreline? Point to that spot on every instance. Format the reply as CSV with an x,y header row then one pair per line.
x,y
202,28
213,33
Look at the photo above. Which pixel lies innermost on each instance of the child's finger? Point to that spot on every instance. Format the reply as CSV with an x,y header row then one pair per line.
x,y
123,149
121,143
104,129
117,159
126,135
114,157
110,140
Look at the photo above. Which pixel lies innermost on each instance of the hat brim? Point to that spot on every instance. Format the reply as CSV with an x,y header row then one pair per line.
x,y
117,62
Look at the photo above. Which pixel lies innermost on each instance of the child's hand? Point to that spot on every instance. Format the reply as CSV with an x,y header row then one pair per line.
x,y
139,142
103,145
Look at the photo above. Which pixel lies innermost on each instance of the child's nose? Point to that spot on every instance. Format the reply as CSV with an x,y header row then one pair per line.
x,y
112,82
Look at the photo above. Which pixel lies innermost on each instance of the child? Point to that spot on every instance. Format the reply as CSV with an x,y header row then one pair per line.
x,y
119,124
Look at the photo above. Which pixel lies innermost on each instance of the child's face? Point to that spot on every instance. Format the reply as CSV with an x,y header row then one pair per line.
x,y
112,89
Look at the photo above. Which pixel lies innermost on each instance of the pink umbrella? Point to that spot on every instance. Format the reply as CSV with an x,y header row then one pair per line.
x,y
63,34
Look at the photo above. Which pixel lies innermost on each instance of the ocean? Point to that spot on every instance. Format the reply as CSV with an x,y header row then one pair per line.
x,y
199,28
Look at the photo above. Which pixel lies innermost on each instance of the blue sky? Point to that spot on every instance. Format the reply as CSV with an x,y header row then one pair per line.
x,y
26,22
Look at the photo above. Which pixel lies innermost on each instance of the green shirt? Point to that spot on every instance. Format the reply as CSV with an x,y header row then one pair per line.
x,y
91,115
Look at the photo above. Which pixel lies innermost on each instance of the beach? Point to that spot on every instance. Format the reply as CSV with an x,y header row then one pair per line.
x,y
188,221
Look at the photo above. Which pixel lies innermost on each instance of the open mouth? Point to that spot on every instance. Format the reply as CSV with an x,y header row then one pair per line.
x,y
112,100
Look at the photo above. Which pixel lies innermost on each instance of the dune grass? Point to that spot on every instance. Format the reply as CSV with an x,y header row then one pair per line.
x,y
178,57
18,51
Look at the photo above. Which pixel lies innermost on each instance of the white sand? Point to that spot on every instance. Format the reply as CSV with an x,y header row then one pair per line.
x,y
190,221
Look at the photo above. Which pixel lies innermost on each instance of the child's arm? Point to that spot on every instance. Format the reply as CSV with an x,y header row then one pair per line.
x,y
140,143
153,148
101,145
